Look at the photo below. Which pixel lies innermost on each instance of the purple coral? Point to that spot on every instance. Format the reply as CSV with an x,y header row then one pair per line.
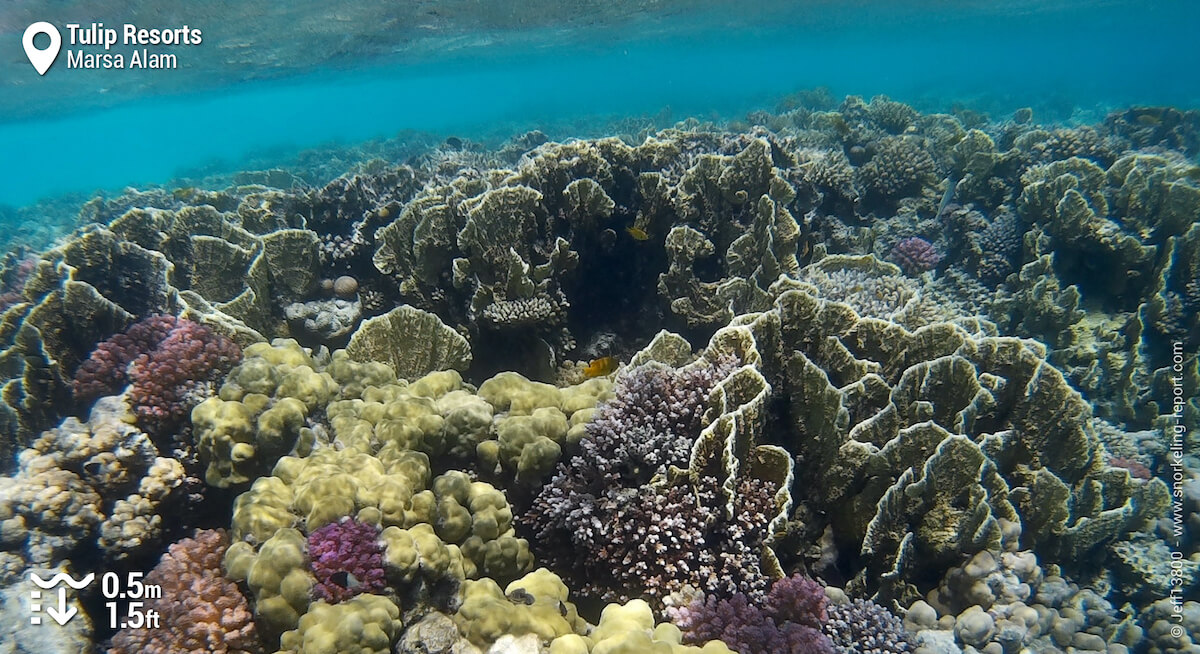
x,y
915,255
171,362
797,599
347,559
788,622
613,535
106,371
864,627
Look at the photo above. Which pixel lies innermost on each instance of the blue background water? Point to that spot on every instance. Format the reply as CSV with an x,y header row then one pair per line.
x,y
1060,58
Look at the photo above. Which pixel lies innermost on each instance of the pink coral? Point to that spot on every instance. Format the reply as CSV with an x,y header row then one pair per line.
x,y
106,370
200,609
172,378
1137,469
347,559
915,255
171,362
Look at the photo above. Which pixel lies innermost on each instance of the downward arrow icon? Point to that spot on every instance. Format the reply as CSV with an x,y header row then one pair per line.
x,y
63,613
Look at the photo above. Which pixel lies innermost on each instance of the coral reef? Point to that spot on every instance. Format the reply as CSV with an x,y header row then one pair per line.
x,y
323,321
179,371
366,624
450,529
915,255
928,357
864,627
898,168
412,342
1010,603
612,519
261,411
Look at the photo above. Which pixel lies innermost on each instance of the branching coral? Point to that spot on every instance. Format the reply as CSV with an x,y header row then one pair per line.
x,y
200,610
916,255
863,627
347,559
613,523
172,364
789,621
106,370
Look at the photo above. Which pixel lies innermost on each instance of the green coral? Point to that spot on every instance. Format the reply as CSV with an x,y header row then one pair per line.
x,y
923,444
364,624
260,413
452,528
538,604
899,168
535,422
76,295
534,604
1067,198
630,629
277,575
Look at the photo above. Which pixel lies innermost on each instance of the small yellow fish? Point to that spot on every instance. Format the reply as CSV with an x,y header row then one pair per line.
x,y
638,233
600,367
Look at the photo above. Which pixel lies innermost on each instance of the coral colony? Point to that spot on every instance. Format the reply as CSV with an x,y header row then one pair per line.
x,y
843,379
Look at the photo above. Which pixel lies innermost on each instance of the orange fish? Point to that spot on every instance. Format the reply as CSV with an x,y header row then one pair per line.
x,y
638,233
601,367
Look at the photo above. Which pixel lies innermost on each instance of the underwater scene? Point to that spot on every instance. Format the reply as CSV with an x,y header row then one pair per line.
x,y
659,326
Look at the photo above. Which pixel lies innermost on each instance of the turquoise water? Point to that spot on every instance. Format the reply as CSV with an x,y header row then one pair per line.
x,y
1063,59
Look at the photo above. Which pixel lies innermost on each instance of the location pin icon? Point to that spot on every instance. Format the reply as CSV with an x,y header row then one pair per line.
x,y
41,59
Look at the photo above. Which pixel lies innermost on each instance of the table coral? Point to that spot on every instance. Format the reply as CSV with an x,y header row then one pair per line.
x,y
392,338
935,406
